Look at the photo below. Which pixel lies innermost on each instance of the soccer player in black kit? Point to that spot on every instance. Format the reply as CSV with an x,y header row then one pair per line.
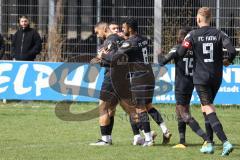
x,y
138,55
135,47
142,81
183,89
108,97
207,44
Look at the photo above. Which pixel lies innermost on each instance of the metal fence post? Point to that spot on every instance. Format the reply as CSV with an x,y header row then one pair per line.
x,y
157,29
51,20
51,12
99,12
41,10
218,14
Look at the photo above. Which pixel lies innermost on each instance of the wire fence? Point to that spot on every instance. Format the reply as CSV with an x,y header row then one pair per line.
x,y
67,26
183,13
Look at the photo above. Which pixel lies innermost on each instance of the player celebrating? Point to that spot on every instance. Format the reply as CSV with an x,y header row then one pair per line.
x,y
114,28
183,89
138,140
130,31
207,44
108,98
135,47
141,79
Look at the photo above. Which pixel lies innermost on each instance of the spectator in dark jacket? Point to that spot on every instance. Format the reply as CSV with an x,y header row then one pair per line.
x,y
26,43
2,47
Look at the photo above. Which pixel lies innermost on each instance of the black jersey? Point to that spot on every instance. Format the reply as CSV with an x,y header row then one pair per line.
x,y
136,48
183,71
142,78
111,44
108,93
207,44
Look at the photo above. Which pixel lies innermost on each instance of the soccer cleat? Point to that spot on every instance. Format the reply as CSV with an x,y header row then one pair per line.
x,y
100,142
227,148
207,148
138,141
166,137
180,146
148,143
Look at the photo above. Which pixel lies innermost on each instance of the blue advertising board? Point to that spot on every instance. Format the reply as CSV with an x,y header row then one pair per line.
x,y
229,92
33,81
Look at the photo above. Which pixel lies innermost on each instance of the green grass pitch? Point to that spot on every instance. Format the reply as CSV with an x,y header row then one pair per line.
x,y
33,131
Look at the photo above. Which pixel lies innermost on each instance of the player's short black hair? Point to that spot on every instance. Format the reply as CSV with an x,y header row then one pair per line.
x,y
182,33
186,30
132,22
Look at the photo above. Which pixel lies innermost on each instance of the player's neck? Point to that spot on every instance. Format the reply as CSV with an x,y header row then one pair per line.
x,y
201,26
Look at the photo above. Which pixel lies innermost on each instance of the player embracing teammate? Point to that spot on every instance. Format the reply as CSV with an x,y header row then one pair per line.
x,y
207,44
142,81
134,94
202,51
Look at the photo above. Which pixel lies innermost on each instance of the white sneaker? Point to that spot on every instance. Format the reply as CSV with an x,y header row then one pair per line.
x,y
138,141
100,142
148,143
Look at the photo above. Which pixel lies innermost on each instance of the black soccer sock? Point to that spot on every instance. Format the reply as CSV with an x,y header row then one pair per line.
x,y
156,116
208,127
217,126
111,125
105,130
181,130
144,120
135,127
193,124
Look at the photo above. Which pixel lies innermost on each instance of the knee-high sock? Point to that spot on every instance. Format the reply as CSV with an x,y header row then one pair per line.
x,y
135,127
193,124
156,116
208,127
111,125
181,130
217,126
105,133
144,120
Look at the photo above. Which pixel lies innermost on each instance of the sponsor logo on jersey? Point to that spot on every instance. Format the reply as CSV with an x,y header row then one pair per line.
x,y
125,45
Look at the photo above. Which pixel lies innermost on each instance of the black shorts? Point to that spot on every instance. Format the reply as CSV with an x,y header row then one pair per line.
x,y
107,92
183,99
142,88
142,94
207,93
